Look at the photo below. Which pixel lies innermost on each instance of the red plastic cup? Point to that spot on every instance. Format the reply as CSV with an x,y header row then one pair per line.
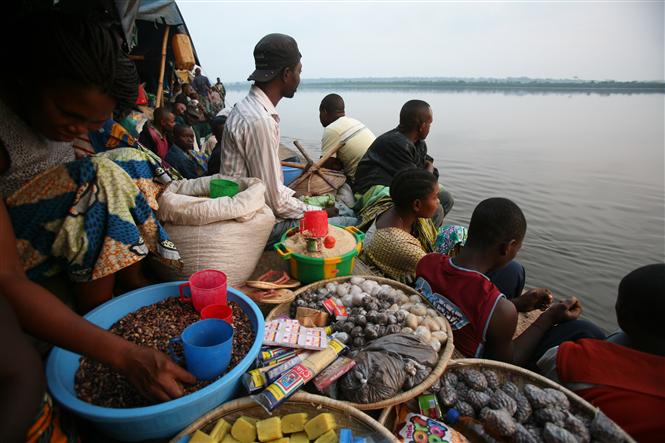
x,y
315,222
221,312
207,287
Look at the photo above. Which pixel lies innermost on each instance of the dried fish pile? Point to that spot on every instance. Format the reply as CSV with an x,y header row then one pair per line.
x,y
527,414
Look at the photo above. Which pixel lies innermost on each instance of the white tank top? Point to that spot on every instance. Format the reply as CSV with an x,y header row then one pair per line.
x,y
29,152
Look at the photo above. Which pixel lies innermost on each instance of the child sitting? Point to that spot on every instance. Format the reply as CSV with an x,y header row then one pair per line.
x,y
623,375
482,318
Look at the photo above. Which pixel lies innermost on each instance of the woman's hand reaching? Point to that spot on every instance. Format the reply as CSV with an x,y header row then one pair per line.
x,y
154,374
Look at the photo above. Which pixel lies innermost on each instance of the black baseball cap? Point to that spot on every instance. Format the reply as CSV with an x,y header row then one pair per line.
x,y
273,53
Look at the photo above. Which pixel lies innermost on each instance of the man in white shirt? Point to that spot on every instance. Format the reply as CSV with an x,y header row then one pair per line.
x,y
338,128
250,144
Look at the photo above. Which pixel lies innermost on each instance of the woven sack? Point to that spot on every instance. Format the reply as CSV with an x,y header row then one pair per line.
x,y
226,233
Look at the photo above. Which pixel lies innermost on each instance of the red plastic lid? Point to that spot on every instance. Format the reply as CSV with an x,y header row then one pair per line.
x,y
315,223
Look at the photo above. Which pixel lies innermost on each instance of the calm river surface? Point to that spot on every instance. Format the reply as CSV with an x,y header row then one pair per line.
x,y
586,169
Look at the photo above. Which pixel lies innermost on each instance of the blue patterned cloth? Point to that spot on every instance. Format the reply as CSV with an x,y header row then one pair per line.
x,y
91,217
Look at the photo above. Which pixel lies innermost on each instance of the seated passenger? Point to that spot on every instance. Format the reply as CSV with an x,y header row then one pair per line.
x,y
217,126
187,91
338,128
156,134
180,153
179,110
93,218
402,148
624,374
403,232
483,319
105,201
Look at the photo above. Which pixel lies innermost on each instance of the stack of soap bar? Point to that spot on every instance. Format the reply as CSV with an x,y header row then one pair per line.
x,y
294,422
201,437
299,437
228,438
319,425
327,437
269,429
244,429
220,430
290,428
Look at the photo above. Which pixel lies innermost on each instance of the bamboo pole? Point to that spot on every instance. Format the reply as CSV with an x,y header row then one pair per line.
x,y
294,165
303,152
162,66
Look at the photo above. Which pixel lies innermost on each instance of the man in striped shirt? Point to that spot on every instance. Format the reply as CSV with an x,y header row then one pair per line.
x,y
250,144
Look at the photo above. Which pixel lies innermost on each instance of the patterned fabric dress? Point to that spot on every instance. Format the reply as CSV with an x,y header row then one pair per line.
x,y
111,135
395,253
52,425
90,217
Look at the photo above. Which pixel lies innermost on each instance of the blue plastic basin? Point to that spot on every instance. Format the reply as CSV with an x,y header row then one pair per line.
x,y
164,419
290,174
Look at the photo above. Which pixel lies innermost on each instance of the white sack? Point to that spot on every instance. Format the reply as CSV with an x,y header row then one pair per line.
x,y
224,233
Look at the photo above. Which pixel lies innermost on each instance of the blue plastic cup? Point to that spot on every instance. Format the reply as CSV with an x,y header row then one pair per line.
x,y
208,345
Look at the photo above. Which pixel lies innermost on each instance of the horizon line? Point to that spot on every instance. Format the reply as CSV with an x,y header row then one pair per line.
x,y
509,78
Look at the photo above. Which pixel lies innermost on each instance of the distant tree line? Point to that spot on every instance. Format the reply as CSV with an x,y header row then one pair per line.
x,y
518,84
489,84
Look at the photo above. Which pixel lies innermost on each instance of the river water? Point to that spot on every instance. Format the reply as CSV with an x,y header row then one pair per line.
x,y
586,169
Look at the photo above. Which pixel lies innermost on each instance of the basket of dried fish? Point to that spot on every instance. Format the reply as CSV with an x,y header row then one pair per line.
x,y
513,404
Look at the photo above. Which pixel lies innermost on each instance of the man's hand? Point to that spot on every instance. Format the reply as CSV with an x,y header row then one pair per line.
x,y
564,311
429,166
537,298
332,211
154,375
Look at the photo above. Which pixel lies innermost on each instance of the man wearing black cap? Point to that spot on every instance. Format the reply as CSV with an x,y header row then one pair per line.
x,y
250,144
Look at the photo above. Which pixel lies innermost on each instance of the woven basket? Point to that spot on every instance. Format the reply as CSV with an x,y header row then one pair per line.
x,y
312,184
437,371
284,308
345,415
520,377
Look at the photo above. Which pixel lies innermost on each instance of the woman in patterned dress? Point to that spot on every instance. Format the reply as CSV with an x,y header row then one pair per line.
x,y
92,218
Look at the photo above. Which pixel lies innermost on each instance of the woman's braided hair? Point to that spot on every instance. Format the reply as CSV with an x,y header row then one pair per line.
x,y
55,47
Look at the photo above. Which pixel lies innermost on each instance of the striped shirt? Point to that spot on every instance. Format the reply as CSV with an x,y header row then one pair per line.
x,y
250,148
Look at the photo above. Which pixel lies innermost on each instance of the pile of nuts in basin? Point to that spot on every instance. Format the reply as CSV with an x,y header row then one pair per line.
x,y
153,326
377,310
521,414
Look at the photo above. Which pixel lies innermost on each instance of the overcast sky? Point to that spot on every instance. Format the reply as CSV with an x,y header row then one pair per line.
x,y
589,40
